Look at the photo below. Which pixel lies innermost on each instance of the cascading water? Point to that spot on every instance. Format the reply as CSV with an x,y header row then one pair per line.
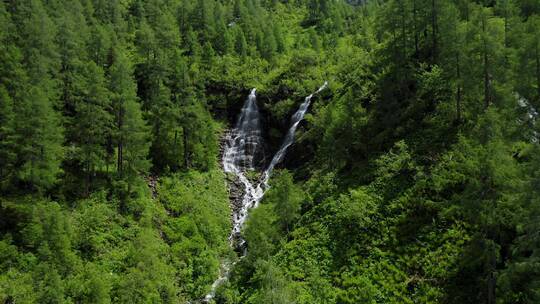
x,y
289,138
242,151
244,148
530,117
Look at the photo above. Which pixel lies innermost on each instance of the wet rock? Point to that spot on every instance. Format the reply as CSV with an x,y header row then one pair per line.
x,y
152,182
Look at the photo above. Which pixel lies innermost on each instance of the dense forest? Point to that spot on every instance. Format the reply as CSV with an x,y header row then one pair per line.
x,y
414,177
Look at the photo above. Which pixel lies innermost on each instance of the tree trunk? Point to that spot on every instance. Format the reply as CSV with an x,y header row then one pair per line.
x,y
491,288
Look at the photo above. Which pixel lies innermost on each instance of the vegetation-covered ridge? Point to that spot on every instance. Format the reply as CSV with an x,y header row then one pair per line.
x,y
414,178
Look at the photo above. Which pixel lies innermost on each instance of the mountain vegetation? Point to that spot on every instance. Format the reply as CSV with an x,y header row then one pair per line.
x,y
414,178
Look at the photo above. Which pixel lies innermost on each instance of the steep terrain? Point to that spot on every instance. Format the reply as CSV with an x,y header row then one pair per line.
x,y
413,177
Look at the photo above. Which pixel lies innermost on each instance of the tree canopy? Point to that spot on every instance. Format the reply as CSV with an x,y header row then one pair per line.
x,y
414,178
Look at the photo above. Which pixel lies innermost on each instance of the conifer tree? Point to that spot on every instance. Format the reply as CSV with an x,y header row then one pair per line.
x,y
490,46
8,77
39,139
269,44
239,9
7,155
130,131
99,45
314,40
12,75
92,125
223,41
509,11
280,39
240,43
203,20
208,54
453,39
192,45
39,135
197,128
528,67
286,199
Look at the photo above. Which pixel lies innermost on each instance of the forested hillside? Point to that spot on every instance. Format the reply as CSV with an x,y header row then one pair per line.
x,y
414,176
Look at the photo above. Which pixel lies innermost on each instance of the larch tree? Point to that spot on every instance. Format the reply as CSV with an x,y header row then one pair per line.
x,y
92,125
39,134
130,130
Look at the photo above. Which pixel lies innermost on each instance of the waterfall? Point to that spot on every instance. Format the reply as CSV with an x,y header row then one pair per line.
x,y
244,146
289,138
243,149
244,143
531,116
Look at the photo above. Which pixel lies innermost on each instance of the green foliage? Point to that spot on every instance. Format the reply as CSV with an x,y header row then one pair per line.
x,y
39,137
273,286
414,178
197,230
262,234
91,253
130,132
286,199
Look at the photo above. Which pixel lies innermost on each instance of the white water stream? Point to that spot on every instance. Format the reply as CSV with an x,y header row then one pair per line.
x,y
243,149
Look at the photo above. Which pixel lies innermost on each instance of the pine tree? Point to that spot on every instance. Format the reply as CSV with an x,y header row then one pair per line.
x,y
521,277
72,55
192,45
313,11
273,285
99,45
208,54
239,9
269,44
199,135
39,139
146,42
223,42
92,126
12,75
509,12
7,155
314,40
9,68
130,131
452,54
490,46
286,199
39,135
280,39
240,43
203,20
167,38
528,66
